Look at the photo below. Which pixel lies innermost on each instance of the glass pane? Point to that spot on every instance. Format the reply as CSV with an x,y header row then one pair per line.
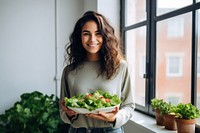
x,y
198,66
173,60
136,56
135,11
165,6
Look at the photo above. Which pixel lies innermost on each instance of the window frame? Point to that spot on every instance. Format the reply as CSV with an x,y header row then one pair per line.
x,y
150,22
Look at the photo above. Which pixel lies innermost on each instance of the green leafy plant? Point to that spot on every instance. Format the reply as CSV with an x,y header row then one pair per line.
x,y
35,113
167,108
157,103
187,111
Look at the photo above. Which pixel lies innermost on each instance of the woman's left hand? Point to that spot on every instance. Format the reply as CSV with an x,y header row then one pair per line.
x,y
105,116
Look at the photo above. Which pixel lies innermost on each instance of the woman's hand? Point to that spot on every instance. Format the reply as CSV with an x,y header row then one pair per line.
x,y
105,116
70,113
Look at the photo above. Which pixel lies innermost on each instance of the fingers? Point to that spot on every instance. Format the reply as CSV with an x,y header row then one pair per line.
x,y
116,109
105,116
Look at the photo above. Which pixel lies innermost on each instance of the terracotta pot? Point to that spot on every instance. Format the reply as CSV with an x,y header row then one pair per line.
x,y
169,122
159,117
185,125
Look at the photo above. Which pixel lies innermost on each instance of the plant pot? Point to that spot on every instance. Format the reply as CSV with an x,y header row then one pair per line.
x,y
169,122
185,125
159,117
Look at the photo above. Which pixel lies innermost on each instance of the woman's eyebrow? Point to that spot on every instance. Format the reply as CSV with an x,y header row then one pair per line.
x,y
85,31
89,31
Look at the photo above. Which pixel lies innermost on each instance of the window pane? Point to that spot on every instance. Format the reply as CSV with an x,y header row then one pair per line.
x,y
198,66
136,56
165,6
173,68
135,11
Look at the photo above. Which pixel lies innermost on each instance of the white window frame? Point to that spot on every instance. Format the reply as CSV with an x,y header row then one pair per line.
x,y
180,65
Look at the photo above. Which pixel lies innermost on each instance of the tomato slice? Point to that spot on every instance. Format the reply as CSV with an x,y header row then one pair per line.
x,y
89,95
107,100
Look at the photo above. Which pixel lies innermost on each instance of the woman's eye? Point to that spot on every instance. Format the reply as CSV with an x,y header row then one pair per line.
x,y
98,34
86,34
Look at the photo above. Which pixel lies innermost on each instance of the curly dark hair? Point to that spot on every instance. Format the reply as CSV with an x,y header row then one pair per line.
x,y
110,53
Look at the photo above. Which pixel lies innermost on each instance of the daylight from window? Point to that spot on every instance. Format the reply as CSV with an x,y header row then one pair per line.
x,y
165,6
173,63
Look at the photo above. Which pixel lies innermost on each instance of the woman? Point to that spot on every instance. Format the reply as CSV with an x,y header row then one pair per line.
x,y
96,62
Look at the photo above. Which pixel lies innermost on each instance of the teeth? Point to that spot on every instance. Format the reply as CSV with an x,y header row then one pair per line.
x,y
92,44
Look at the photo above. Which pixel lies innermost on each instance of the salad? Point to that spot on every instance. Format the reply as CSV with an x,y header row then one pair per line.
x,y
93,101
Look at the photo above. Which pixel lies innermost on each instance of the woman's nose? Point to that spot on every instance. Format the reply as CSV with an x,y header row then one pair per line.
x,y
93,38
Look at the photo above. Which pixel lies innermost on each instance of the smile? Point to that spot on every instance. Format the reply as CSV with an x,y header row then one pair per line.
x,y
92,45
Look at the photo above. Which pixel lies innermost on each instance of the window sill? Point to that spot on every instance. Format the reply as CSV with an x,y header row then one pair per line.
x,y
142,123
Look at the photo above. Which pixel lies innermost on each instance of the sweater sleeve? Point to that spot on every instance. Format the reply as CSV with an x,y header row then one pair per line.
x,y
127,96
64,92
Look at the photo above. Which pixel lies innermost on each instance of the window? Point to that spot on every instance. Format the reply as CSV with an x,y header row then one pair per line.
x,y
198,62
135,11
175,28
198,13
198,101
165,6
174,98
162,40
198,66
174,66
142,64
136,53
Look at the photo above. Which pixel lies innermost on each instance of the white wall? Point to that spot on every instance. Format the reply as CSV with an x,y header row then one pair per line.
x,y
111,9
28,39
68,11
32,40
89,5
26,49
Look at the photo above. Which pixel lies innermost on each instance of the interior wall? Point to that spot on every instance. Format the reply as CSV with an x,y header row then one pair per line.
x,y
68,12
89,5
26,49
111,9
32,39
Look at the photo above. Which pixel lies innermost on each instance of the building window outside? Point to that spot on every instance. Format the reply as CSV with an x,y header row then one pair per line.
x,y
174,66
174,98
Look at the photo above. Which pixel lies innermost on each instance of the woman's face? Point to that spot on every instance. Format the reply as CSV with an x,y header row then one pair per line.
x,y
91,40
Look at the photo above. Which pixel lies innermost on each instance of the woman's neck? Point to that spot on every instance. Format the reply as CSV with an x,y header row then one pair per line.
x,y
92,58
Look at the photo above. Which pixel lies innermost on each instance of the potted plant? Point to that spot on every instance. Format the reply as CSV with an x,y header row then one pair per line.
x,y
186,115
156,105
35,112
168,111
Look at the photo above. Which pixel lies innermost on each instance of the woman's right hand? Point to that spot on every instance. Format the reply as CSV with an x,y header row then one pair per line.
x,y
70,113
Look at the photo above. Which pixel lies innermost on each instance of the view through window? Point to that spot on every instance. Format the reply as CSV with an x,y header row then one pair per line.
x,y
160,37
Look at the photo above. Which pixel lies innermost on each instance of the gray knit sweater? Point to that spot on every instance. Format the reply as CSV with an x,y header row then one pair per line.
x,y
85,80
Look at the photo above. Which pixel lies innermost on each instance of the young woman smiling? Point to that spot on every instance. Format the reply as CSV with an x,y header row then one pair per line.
x,y
95,61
